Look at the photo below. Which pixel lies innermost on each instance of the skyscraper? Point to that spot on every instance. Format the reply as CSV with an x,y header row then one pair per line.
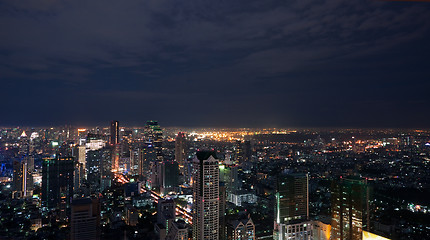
x,y
170,177
154,135
23,170
239,152
180,151
205,196
99,165
222,207
350,208
114,132
228,175
85,219
247,151
22,180
292,207
57,182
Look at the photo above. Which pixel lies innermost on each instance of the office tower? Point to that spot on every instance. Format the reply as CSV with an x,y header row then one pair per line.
x,y
79,176
350,208
57,182
106,168
177,231
321,230
115,157
146,158
22,180
114,132
241,228
156,175
85,219
168,227
170,176
222,207
292,207
247,151
24,146
239,152
93,165
132,216
166,213
228,175
94,142
82,155
98,170
23,169
154,135
180,151
205,196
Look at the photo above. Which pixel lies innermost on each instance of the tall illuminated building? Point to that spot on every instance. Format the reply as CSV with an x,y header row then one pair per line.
x,y
180,151
22,180
23,170
98,168
57,182
154,135
85,219
292,207
247,151
222,207
350,208
228,175
170,177
114,132
205,196
239,152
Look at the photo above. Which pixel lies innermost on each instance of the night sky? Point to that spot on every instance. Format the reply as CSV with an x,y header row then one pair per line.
x,y
220,63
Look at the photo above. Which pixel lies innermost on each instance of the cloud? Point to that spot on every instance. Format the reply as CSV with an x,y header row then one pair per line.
x,y
146,50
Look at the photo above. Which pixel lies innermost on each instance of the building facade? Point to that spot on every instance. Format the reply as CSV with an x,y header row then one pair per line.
x,y
205,196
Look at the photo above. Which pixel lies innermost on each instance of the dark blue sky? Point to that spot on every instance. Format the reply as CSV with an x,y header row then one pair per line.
x,y
243,63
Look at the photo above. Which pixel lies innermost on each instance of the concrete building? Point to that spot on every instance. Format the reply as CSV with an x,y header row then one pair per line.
x,y
205,196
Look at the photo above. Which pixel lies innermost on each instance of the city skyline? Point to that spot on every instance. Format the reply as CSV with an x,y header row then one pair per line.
x,y
247,63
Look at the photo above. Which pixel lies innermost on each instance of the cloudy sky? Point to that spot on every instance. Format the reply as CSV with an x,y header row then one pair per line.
x,y
241,63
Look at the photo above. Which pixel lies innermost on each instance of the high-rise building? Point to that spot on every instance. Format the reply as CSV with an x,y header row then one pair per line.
x,y
247,151
81,152
170,176
85,219
23,170
114,132
24,146
132,216
22,180
239,152
98,164
154,135
292,200
57,182
350,208
205,196
242,228
166,213
180,151
147,157
228,175
292,207
177,231
222,207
